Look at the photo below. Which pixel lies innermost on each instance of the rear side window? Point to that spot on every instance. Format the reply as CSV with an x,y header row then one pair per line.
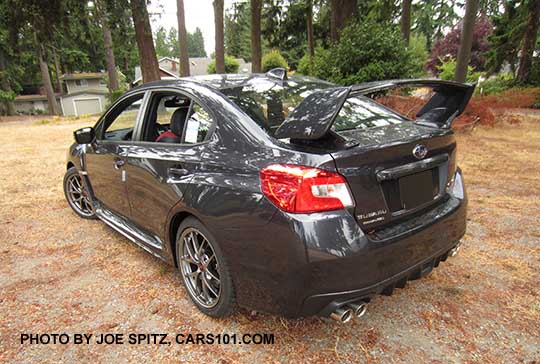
x,y
197,125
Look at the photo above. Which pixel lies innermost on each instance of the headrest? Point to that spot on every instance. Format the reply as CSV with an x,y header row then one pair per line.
x,y
178,120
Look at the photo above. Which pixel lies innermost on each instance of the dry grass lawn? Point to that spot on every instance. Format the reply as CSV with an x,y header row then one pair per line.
x,y
59,273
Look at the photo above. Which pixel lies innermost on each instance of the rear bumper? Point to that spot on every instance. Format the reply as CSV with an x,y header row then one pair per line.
x,y
387,258
326,303
305,264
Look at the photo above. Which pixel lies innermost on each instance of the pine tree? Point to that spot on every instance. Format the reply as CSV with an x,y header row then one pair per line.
x,y
529,41
182,39
256,36
145,43
220,41
464,52
342,12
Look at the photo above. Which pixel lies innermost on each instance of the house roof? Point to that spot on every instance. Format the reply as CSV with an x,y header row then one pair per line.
x,y
222,82
95,91
83,76
198,66
168,74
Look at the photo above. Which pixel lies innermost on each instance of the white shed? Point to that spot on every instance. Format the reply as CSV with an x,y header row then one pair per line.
x,y
84,102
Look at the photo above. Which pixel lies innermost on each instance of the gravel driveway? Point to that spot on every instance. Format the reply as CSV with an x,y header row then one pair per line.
x,y
61,274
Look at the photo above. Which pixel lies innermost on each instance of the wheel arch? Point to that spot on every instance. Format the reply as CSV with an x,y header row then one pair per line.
x,y
174,224
69,165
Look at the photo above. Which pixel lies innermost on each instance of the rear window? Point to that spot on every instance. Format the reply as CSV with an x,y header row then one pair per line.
x,y
269,103
360,112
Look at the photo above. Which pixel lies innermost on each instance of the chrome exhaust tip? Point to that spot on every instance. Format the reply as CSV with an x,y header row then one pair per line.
x,y
453,252
359,309
342,315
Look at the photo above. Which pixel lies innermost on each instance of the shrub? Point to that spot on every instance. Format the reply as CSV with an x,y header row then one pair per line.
x,y
7,96
122,80
513,98
534,78
273,59
447,71
366,52
419,54
447,47
122,86
484,110
293,55
113,96
304,68
496,84
231,65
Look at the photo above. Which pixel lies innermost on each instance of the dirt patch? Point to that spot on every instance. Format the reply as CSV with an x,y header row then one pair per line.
x,y
59,273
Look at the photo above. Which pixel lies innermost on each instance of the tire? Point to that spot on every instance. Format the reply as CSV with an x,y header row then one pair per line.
x,y
76,195
200,269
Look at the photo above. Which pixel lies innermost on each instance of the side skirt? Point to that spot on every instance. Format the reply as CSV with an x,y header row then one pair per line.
x,y
152,244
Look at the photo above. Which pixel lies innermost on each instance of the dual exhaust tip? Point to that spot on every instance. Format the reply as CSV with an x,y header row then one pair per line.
x,y
346,312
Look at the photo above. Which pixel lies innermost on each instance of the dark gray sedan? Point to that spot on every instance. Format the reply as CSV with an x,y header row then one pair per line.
x,y
284,194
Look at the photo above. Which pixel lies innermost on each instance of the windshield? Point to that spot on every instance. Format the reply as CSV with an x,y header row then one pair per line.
x,y
269,103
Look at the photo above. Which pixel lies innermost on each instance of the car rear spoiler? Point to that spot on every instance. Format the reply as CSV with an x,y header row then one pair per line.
x,y
314,117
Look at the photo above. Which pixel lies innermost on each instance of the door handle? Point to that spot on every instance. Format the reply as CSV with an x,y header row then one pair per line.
x,y
177,172
174,175
118,163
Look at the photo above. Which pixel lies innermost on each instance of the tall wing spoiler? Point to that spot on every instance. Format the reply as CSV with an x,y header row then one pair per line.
x,y
314,117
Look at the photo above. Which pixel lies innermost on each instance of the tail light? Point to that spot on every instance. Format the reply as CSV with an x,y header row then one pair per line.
x,y
301,189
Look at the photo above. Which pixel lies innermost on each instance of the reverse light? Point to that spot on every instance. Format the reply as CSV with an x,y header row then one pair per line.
x,y
301,189
456,186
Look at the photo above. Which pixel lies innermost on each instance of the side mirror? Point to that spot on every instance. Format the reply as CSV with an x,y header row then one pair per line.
x,y
84,135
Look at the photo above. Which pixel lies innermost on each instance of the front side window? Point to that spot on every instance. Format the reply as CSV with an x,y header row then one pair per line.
x,y
176,118
120,123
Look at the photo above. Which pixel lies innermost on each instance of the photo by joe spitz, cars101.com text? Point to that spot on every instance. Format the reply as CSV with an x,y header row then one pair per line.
x,y
282,194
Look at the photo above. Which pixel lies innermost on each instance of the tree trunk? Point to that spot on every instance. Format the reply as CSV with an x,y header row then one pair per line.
x,y
57,71
529,41
342,12
464,52
182,39
256,6
406,20
310,40
46,78
109,57
108,42
220,47
4,85
145,43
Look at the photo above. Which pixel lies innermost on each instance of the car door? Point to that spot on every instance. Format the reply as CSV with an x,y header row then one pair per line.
x,y
106,158
158,174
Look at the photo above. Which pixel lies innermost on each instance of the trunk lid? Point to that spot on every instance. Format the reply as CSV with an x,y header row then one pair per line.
x,y
395,167
386,179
